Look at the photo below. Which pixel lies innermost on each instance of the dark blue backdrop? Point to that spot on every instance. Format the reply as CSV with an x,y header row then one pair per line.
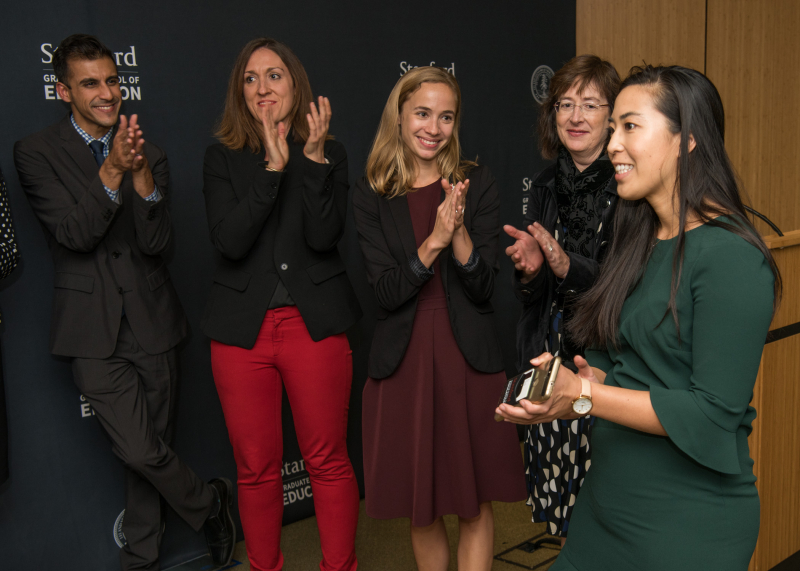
x,y
65,493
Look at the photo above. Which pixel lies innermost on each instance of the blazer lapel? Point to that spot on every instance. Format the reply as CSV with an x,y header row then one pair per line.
x,y
247,169
77,148
398,206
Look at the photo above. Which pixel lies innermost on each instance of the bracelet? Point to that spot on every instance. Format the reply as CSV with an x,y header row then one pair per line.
x,y
270,169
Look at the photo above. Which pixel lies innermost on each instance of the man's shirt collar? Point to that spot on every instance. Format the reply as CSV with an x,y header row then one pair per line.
x,y
105,139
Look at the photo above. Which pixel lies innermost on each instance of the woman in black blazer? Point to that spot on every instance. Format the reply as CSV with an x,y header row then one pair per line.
x,y
431,446
276,198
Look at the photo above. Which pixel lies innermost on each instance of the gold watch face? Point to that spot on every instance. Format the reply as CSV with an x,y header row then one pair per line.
x,y
582,405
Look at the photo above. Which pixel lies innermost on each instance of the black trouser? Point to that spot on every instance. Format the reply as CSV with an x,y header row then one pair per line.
x,y
133,395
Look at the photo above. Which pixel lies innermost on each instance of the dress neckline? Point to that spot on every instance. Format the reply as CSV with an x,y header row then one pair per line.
x,y
426,187
723,218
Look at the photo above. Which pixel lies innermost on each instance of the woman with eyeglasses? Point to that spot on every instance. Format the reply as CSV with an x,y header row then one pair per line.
x,y
557,256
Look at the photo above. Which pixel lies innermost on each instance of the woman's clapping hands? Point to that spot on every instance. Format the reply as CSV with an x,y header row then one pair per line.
x,y
449,214
532,248
277,149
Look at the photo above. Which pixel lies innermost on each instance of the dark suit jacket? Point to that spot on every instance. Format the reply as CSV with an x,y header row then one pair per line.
x,y
104,253
264,224
386,235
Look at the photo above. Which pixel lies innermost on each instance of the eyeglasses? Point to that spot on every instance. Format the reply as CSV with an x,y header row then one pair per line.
x,y
567,107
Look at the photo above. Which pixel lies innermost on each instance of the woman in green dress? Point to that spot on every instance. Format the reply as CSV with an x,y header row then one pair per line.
x,y
682,307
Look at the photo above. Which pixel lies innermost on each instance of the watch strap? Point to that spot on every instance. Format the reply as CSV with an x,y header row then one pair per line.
x,y
586,389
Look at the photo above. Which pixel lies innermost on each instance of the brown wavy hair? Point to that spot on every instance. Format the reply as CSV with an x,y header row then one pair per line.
x,y
238,128
391,169
585,70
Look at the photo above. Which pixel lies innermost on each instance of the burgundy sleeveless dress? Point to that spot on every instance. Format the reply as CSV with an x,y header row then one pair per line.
x,y
431,445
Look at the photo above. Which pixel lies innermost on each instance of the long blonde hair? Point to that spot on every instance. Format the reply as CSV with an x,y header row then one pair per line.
x,y
391,169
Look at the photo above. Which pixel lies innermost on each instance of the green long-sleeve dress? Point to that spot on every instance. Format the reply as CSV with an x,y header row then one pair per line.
x,y
687,500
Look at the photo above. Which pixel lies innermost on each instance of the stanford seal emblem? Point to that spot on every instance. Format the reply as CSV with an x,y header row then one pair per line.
x,y
119,537
540,83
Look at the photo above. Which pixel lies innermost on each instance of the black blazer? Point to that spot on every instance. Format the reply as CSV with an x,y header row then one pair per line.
x,y
266,223
386,235
103,252
537,295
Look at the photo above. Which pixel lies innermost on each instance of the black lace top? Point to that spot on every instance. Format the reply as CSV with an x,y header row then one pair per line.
x,y
579,196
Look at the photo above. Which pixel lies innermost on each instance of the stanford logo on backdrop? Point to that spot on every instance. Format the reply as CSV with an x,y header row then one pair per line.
x,y
86,408
125,60
540,83
405,67
296,482
526,186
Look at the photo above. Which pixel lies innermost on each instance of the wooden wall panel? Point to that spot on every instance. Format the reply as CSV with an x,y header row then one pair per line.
x,y
625,32
754,60
775,444
751,51
775,440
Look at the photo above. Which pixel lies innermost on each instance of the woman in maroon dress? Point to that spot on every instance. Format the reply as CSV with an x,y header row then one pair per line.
x,y
429,236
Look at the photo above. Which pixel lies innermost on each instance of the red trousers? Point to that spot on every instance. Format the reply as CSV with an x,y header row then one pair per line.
x,y
317,378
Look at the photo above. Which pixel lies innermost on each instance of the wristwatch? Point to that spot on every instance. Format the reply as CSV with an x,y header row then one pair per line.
x,y
583,404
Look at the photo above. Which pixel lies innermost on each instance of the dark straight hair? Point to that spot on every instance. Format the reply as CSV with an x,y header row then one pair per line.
x,y
77,46
707,188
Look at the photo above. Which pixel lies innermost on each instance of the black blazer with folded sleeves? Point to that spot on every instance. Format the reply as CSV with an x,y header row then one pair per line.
x,y
386,235
266,224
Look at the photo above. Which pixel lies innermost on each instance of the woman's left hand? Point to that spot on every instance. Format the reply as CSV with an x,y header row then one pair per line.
x,y
553,253
459,190
318,122
559,405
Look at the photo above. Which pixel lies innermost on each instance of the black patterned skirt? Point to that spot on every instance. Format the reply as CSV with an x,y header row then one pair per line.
x,y
557,457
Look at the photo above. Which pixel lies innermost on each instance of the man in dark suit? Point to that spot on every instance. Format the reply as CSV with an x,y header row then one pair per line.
x,y
99,191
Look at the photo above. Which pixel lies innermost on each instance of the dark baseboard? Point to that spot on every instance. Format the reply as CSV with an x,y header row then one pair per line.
x,y
791,563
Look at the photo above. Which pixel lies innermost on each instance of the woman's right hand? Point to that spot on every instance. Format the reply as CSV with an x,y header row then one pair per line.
x,y
524,252
277,149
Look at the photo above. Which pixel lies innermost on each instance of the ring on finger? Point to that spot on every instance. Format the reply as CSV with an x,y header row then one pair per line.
x,y
550,246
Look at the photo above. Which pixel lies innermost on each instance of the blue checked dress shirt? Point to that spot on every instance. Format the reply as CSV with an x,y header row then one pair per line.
x,y
155,196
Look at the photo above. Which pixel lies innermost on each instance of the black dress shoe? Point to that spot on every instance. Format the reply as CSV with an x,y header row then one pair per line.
x,y
219,528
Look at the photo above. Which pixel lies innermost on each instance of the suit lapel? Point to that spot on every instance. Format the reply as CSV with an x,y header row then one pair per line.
x,y
78,150
398,206
248,170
